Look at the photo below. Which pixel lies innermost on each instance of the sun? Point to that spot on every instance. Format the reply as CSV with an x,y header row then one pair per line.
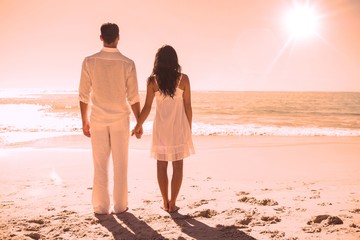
x,y
302,21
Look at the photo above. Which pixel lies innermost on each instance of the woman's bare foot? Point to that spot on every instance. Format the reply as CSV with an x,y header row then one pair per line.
x,y
165,207
173,209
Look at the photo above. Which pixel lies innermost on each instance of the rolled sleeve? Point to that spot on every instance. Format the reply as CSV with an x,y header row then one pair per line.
x,y
132,91
85,83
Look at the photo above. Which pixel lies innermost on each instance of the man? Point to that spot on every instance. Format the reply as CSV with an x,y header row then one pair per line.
x,y
109,79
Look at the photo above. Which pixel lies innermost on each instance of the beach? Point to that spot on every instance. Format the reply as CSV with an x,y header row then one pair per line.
x,y
234,187
270,89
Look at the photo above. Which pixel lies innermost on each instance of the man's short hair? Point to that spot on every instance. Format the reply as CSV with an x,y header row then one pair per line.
x,y
109,32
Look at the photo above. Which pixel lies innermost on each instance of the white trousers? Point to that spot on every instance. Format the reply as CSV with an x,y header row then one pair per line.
x,y
107,139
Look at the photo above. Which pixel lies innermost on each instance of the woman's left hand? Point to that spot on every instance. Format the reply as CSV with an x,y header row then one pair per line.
x,y
137,131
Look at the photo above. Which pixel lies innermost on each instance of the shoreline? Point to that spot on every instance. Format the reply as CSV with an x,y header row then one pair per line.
x,y
234,187
77,140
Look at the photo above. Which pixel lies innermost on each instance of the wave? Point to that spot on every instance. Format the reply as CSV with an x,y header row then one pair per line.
x,y
204,129
11,136
259,130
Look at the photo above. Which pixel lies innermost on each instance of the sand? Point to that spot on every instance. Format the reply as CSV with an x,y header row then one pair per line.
x,y
260,187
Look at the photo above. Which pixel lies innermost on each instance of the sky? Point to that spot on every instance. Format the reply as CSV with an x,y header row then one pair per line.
x,y
232,45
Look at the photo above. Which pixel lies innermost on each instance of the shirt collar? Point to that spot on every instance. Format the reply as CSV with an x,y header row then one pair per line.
x,y
106,49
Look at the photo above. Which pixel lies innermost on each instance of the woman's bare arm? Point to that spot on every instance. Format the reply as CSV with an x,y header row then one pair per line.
x,y
187,99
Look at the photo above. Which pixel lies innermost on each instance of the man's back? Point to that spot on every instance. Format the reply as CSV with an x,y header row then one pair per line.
x,y
111,79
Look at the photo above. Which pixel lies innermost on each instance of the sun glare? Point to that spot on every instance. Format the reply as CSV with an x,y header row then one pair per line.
x,y
302,21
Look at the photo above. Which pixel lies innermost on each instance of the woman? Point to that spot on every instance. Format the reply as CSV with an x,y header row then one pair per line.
x,y
172,139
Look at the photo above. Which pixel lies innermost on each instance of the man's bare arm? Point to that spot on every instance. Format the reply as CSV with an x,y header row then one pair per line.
x,y
85,118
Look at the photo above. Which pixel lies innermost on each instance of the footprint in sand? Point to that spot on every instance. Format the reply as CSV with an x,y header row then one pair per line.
x,y
34,235
249,218
68,212
257,223
217,190
353,225
325,220
38,221
324,204
280,209
263,221
264,202
207,213
234,211
309,184
7,203
147,202
315,194
245,221
32,228
242,193
311,229
200,203
274,234
270,219
92,220
299,198
356,210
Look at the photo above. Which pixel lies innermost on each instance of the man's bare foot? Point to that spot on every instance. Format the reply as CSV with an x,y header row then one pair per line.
x,y
126,209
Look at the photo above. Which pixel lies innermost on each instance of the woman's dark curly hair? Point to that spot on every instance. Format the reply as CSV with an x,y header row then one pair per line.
x,y
166,70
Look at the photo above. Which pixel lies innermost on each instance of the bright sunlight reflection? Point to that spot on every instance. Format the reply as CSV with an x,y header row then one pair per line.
x,y
301,21
55,177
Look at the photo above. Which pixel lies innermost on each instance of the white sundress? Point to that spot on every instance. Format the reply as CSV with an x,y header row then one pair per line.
x,y
171,139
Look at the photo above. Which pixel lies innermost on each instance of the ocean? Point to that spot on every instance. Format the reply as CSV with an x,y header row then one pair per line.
x,y
27,115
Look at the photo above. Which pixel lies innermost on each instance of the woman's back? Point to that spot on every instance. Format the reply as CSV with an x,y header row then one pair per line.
x,y
171,132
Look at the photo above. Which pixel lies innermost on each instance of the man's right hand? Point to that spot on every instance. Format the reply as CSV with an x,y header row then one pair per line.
x,y
86,129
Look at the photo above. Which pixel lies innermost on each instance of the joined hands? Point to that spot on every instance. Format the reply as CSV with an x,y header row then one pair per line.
x,y
137,131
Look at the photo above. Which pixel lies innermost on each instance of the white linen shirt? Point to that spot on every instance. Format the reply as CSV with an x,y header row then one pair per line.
x,y
109,79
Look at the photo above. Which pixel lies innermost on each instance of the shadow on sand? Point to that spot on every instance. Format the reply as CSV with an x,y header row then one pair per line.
x,y
200,231
127,226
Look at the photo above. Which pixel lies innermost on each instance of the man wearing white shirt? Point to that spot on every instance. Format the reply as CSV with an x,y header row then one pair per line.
x,y
109,85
